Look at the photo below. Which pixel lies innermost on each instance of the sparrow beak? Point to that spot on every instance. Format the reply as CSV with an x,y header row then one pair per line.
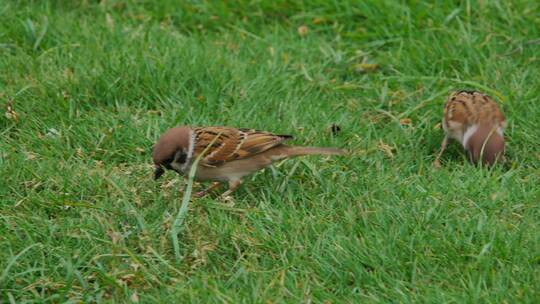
x,y
158,172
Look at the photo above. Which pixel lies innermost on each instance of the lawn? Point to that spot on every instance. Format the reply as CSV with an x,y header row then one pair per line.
x,y
91,86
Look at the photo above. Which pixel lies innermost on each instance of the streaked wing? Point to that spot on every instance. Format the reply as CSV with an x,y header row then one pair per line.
x,y
232,143
467,108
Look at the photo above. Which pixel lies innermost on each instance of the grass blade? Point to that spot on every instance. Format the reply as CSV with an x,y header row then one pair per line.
x,y
179,219
13,260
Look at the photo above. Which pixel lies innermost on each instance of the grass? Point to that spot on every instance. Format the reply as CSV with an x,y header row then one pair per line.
x,y
93,84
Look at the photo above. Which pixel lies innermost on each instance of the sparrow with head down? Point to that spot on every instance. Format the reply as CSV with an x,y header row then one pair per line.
x,y
229,153
475,120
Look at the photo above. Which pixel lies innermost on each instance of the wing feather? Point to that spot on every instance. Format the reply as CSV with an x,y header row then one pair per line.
x,y
232,144
466,108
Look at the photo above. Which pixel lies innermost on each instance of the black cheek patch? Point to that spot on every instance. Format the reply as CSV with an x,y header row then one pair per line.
x,y
180,157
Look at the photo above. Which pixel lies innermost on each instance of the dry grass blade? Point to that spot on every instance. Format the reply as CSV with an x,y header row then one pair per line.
x,y
179,219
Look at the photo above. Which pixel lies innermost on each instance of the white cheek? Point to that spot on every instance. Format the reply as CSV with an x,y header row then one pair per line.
x,y
184,167
178,166
500,131
470,131
191,148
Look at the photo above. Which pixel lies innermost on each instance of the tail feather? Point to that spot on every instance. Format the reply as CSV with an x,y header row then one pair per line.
x,y
297,151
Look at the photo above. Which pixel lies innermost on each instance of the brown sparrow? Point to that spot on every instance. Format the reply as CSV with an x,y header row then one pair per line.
x,y
474,120
230,153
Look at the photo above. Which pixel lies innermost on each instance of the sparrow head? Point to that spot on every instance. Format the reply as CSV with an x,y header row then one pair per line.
x,y
485,143
171,150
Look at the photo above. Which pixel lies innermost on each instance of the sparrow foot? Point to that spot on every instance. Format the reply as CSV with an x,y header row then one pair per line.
x,y
200,194
208,190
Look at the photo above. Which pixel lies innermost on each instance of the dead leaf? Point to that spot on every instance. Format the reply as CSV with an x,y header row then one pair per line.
x,y
30,156
135,266
128,277
110,21
366,67
272,51
386,149
68,73
405,121
232,46
52,132
134,297
10,112
285,58
168,184
115,236
302,30
318,20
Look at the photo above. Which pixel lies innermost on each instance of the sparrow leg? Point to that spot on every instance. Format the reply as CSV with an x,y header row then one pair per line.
x,y
233,185
208,190
436,162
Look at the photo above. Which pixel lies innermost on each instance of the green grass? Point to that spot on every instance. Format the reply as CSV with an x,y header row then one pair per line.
x,y
94,84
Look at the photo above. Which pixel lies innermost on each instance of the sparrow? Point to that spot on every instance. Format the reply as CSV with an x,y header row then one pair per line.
x,y
229,153
475,120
